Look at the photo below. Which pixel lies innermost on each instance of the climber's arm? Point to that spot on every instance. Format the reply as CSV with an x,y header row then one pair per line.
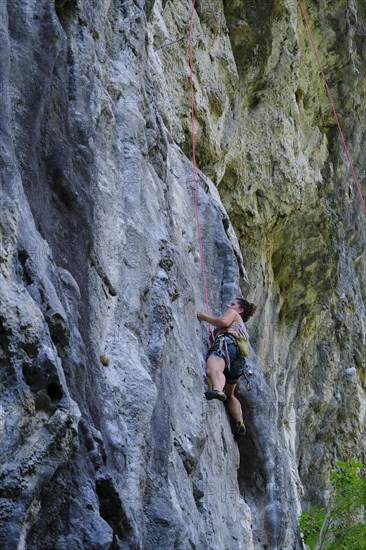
x,y
223,322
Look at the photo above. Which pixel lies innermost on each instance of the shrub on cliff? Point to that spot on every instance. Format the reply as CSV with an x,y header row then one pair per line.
x,y
341,524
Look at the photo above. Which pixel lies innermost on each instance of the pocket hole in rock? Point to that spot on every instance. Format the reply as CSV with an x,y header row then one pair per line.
x,y
54,391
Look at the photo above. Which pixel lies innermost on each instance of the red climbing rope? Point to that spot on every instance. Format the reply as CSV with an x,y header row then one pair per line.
x,y
333,107
195,166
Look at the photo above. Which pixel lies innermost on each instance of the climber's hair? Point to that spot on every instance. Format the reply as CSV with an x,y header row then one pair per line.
x,y
248,308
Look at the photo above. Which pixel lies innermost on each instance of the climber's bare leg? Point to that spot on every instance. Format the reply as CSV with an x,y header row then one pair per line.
x,y
214,371
233,404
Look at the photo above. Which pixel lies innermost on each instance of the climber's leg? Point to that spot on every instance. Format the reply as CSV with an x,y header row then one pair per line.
x,y
234,407
214,371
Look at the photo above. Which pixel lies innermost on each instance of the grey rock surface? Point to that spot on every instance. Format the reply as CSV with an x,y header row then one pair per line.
x,y
106,439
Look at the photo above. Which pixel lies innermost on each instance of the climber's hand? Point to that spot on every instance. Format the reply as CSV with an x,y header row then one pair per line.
x,y
201,316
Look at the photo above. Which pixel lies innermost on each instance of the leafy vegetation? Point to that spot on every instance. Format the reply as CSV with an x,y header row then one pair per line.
x,y
341,525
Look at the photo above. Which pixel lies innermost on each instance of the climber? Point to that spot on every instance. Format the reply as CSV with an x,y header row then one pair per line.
x,y
224,367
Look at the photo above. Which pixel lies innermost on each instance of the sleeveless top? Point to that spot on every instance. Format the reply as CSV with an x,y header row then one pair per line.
x,y
240,328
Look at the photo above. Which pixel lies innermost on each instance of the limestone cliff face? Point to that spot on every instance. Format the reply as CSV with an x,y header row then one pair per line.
x,y
106,440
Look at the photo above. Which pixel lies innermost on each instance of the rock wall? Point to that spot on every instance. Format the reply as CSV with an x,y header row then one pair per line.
x,y
106,440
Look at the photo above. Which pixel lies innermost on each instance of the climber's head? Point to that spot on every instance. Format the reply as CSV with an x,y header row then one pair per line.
x,y
245,308
234,304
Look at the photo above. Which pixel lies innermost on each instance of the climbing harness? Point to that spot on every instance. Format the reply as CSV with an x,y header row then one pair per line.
x,y
220,347
210,336
358,187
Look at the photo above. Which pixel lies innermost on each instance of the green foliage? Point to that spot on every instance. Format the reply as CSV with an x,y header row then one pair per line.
x,y
310,525
341,525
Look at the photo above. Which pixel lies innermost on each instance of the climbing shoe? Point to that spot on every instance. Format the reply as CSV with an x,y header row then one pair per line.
x,y
240,430
215,394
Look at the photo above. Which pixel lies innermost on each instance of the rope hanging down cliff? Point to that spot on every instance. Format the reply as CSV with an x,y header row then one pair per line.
x,y
344,143
190,46
358,187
